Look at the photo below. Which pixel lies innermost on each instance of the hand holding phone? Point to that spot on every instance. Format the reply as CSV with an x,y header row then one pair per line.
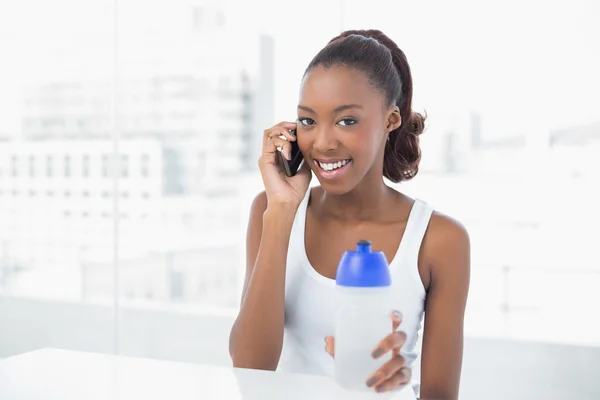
x,y
286,181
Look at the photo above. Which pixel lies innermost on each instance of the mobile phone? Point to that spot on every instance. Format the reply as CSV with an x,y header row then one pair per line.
x,y
291,166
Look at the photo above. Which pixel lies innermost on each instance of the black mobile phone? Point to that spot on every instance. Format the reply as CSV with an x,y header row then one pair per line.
x,y
291,166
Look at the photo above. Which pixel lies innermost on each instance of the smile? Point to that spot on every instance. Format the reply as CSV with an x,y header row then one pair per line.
x,y
332,166
331,169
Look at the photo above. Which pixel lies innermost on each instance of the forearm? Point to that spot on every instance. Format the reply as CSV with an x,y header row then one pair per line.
x,y
257,335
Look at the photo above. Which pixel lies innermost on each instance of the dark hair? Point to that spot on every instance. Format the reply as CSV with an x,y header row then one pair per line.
x,y
375,54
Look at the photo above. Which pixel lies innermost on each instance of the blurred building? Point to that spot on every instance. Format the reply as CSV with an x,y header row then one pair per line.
x,y
186,112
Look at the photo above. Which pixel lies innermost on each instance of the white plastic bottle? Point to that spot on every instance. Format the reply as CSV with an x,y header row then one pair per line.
x,y
363,320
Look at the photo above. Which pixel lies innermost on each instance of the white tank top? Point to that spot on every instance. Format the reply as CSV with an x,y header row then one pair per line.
x,y
310,298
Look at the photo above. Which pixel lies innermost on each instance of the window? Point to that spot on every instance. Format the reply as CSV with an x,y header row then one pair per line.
x,y
202,287
67,166
201,171
85,166
31,166
14,166
145,165
49,166
197,17
177,285
186,142
105,172
124,166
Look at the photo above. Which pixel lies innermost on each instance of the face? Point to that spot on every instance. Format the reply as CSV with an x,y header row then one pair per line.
x,y
343,123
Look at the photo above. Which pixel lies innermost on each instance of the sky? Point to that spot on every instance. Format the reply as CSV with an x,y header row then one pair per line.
x,y
527,65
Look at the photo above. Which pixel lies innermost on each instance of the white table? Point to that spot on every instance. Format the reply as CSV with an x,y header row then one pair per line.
x,y
72,375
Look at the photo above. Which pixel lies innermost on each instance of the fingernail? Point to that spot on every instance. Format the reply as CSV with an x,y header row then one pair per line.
x,y
380,388
397,314
377,353
372,381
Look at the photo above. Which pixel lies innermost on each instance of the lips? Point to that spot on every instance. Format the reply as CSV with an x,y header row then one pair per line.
x,y
332,169
332,165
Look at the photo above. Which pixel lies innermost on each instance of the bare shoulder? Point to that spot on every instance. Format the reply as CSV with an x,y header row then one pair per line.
x,y
445,230
447,245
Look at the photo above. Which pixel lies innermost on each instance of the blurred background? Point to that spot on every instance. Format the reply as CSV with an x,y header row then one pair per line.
x,y
130,130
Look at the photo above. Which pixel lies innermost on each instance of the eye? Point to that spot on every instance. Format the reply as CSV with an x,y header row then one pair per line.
x,y
306,121
347,121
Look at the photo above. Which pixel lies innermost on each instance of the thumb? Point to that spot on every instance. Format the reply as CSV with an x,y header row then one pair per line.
x,y
396,319
329,345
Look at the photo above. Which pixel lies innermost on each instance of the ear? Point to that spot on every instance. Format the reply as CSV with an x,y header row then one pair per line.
x,y
394,120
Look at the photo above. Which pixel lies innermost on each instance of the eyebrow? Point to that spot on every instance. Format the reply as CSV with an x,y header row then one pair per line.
x,y
336,110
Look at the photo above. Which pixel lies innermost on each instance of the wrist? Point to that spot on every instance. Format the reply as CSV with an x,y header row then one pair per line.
x,y
281,211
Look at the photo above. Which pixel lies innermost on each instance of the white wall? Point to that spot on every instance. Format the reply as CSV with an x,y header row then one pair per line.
x,y
493,369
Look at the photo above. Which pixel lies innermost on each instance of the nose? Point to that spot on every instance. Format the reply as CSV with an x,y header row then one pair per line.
x,y
325,141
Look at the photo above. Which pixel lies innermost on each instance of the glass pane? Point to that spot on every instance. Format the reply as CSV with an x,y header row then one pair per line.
x,y
55,129
198,83
196,89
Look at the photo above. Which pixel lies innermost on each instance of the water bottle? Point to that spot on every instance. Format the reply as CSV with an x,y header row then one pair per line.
x,y
363,317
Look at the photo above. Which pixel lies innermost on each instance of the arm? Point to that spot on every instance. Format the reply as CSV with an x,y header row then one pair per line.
x,y
446,250
256,337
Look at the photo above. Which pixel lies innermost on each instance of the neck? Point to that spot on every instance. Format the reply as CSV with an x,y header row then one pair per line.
x,y
363,203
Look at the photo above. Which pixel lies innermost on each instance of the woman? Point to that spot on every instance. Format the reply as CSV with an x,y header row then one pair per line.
x,y
355,126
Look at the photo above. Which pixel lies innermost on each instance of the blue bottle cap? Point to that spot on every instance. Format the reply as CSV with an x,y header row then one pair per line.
x,y
363,267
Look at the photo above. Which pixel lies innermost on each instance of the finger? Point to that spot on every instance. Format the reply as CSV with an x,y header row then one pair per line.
x,y
283,146
288,133
396,319
281,129
399,379
287,124
270,135
393,341
268,146
387,370
272,143
330,345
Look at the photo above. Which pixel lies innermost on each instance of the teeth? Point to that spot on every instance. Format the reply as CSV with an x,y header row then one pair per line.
x,y
332,166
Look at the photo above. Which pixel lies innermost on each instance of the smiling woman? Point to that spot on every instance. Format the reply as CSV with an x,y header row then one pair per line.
x,y
355,126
